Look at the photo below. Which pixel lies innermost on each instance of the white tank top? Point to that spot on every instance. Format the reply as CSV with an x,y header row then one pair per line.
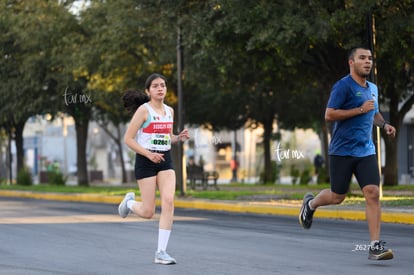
x,y
155,133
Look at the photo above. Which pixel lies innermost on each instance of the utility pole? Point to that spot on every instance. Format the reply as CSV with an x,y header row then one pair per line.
x,y
373,78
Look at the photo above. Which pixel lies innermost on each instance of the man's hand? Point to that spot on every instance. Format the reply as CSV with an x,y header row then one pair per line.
x,y
389,129
367,106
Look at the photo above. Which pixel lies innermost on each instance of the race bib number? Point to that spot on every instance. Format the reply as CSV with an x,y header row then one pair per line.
x,y
161,142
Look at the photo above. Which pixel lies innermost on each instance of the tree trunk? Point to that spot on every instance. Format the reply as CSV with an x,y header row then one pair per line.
x,y
391,150
121,155
390,170
18,136
82,125
325,146
268,173
118,141
391,164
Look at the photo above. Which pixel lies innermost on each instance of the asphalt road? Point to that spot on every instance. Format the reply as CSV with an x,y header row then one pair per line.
x,y
54,237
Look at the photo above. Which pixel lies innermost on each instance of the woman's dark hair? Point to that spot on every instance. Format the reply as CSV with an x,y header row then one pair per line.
x,y
152,77
133,99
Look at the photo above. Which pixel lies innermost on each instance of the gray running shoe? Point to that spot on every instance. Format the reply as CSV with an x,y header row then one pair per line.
x,y
306,214
379,252
163,258
123,208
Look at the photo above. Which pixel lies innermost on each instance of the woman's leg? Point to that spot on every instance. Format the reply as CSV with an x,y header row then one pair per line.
x,y
166,186
146,207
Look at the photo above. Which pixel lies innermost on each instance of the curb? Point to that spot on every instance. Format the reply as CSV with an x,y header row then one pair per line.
x,y
227,206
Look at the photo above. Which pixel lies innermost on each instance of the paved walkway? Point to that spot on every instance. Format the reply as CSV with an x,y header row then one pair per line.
x,y
277,207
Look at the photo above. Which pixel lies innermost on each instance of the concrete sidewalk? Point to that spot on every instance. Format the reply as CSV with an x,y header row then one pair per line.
x,y
284,208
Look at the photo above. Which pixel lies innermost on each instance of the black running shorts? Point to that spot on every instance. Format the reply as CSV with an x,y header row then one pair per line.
x,y
144,168
342,168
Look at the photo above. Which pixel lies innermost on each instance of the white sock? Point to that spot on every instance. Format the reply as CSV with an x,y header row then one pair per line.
x,y
310,206
373,243
163,237
130,203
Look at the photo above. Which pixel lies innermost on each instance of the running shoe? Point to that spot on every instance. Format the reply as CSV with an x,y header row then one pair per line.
x,y
162,257
379,252
123,208
306,214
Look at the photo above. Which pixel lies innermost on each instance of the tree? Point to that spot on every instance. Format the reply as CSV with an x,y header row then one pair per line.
x,y
346,26
121,50
26,62
394,24
311,37
255,54
257,62
233,78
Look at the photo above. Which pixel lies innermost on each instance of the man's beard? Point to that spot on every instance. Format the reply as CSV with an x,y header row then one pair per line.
x,y
364,74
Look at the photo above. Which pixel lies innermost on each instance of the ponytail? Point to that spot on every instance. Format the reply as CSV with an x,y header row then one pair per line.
x,y
133,99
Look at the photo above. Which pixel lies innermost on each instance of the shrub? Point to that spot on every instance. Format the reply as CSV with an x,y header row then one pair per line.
x,y
323,176
294,173
24,177
56,178
305,177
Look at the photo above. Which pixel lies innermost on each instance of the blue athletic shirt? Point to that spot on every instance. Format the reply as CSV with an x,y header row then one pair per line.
x,y
352,136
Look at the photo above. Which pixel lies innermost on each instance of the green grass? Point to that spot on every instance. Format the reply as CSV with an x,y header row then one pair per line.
x,y
398,201
392,201
231,195
104,190
398,196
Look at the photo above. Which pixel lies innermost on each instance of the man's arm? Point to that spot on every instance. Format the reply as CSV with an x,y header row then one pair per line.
x,y
380,122
332,114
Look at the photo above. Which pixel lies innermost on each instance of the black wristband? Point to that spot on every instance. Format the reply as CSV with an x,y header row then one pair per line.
x,y
383,125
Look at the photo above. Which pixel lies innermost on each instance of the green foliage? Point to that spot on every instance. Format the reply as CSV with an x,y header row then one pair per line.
x,y
269,59
323,176
294,173
305,177
275,171
300,170
56,178
24,177
274,175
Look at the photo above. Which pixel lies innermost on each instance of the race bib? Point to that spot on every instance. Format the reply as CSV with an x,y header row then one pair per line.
x,y
161,142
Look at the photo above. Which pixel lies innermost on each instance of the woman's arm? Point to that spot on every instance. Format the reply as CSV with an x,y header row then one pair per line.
x,y
182,136
138,119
